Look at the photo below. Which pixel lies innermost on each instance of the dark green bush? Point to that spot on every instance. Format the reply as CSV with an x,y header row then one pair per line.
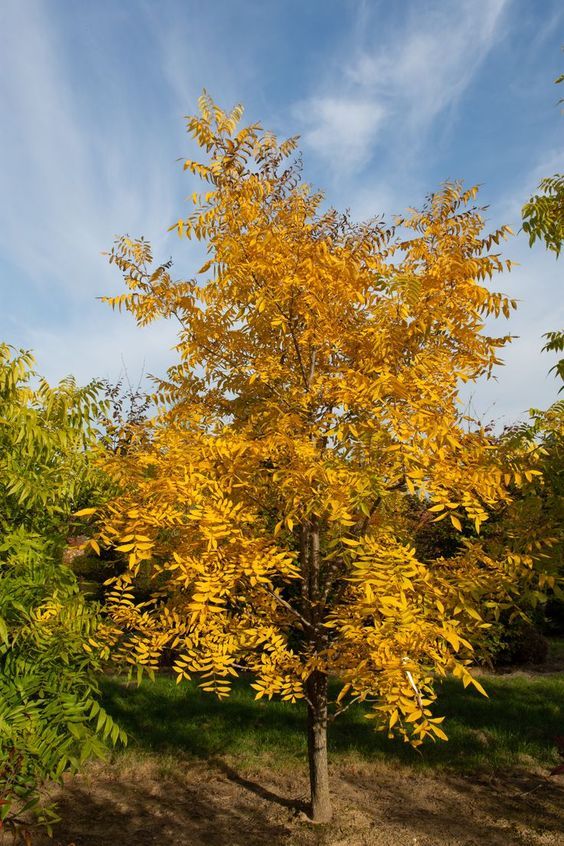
x,y
522,643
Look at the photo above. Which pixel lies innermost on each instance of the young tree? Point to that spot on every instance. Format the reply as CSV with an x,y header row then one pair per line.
x,y
316,390
50,717
537,510
543,220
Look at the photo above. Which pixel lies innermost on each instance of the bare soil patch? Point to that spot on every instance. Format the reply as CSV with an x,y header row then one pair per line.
x,y
138,802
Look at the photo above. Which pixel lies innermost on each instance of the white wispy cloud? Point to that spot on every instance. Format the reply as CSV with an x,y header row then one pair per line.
x,y
71,179
342,125
103,348
396,87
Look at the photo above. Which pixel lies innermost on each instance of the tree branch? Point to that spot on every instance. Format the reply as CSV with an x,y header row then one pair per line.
x,y
288,607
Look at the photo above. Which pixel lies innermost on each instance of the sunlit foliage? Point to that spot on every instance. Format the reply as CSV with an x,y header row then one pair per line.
x,y
319,363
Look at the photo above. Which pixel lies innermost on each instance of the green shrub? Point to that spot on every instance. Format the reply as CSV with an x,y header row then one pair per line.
x,y
522,643
50,717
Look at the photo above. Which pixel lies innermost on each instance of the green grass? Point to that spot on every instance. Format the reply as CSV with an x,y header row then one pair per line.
x,y
513,729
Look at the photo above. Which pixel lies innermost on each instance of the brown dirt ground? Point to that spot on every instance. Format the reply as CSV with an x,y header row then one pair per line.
x,y
137,803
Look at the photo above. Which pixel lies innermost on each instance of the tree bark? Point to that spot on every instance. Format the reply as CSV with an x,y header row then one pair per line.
x,y
316,688
316,684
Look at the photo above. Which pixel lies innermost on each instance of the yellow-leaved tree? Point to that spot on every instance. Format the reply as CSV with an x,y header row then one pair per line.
x,y
316,392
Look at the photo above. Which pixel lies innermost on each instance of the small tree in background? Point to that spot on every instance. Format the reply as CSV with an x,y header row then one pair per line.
x,y
536,514
543,220
50,717
316,391
127,408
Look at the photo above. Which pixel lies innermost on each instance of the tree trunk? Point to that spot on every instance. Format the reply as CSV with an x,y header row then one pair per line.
x,y
316,687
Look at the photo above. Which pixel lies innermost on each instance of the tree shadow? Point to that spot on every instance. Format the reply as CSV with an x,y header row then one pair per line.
x,y
259,790
137,811
213,805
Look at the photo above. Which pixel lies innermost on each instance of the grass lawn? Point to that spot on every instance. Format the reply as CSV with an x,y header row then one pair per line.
x,y
511,730
199,772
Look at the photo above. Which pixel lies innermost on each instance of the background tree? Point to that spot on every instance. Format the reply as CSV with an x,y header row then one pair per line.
x,y
127,408
50,717
316,389
538,511
124,411
537,514
543,214
543,220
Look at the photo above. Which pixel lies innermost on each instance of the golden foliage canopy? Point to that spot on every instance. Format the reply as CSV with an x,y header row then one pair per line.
x,y
316,391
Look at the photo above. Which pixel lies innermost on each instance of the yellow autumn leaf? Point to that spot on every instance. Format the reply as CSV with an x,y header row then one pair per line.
x,y
478,686
437,730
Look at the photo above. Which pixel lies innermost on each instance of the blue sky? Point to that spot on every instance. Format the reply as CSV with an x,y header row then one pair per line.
x,y
390,99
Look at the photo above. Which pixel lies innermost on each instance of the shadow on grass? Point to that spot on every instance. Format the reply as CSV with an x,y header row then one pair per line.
x,y
516,725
